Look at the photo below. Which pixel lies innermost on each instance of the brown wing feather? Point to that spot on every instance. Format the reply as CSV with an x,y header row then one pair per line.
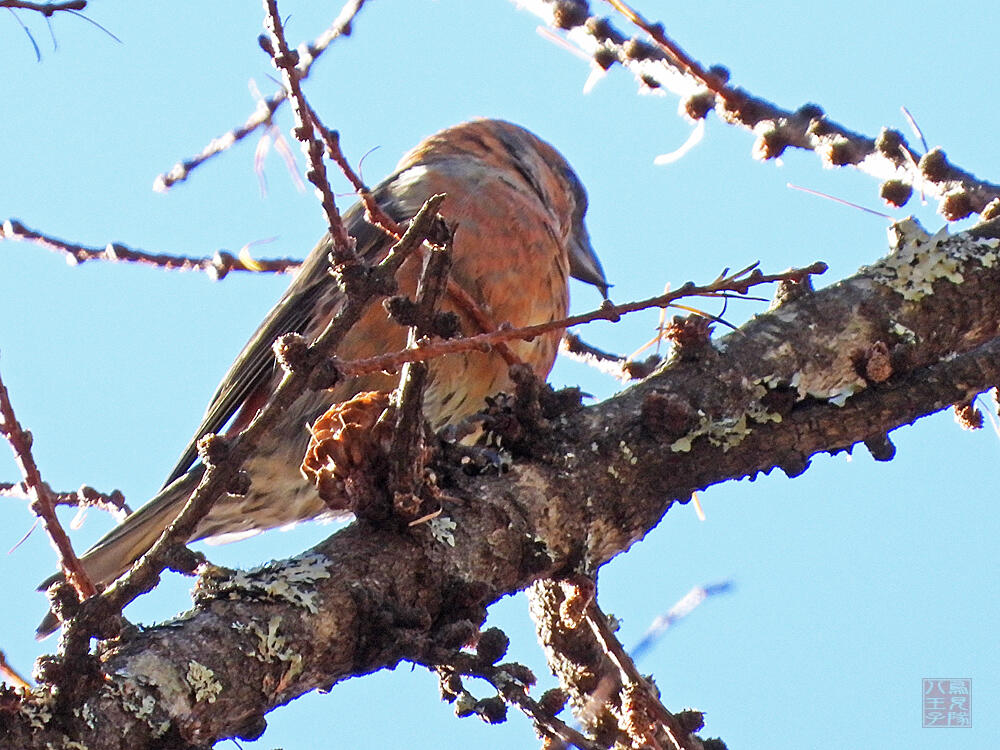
x,y
293,313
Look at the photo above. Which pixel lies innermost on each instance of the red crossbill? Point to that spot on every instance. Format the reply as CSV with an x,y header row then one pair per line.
x,y
518,207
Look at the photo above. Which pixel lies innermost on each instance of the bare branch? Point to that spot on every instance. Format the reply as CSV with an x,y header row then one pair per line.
x,y
513,691
43,504
386,599
373,212
634,683
266,108
679,611
739,283
616,365
405,455
85,497
46,9
662,63
218,266
287,62
225,458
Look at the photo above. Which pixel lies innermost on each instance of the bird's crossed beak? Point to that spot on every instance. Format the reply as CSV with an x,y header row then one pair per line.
x,y
583,262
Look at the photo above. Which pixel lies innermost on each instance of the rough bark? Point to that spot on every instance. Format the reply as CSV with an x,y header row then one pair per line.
x,y
901,339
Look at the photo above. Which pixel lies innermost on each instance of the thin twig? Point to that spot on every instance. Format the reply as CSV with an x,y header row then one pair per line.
x,y
217,266
406,466
677,612
711,81
220,475
11,675
46,9
662,64
513,692
266,108
613,648
547,723
376,216
85,497
616,365
287,63
482,319
738,283
42,503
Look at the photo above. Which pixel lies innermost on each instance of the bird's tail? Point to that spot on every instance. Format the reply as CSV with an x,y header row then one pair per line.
x,y
130,540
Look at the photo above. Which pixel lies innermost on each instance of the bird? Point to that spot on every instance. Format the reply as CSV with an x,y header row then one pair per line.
x,y
518,208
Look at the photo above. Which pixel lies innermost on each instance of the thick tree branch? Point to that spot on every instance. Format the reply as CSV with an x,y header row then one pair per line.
x,y
901,339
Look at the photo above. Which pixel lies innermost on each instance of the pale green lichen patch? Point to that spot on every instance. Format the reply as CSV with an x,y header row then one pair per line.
x,y
917,258
202,681
442,529
87,714
724,432
465,704
820,384
139,704
628,453
768,382
271,646
290,580
906,335
728,432
36,706
760,414
135,700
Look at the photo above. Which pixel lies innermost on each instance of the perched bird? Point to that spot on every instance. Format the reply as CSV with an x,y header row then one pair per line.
x,y
518,208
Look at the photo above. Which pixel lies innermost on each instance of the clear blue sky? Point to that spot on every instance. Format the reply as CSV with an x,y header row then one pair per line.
x,y
853,581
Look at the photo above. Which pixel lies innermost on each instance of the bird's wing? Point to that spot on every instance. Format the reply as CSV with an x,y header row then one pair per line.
x,y
293,313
